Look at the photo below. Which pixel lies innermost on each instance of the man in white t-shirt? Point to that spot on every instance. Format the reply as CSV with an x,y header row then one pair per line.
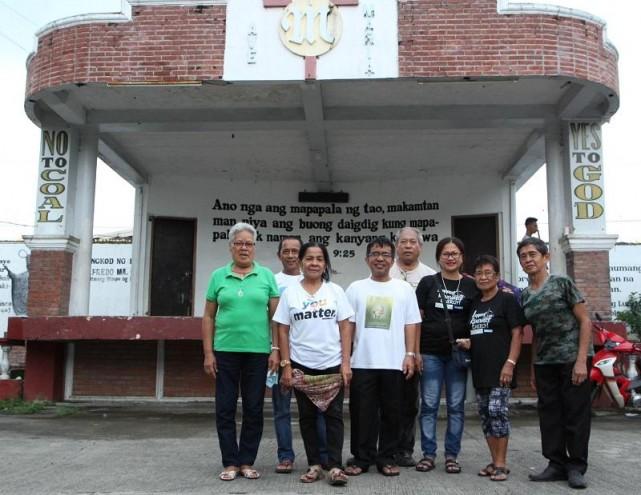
x,y
386,315
408,267
288,250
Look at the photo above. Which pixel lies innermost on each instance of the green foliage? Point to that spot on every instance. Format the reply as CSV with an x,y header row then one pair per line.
x,y
65,410
632,315
19,406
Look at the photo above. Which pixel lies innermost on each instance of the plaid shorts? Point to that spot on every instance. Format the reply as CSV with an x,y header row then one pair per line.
x,y
494,409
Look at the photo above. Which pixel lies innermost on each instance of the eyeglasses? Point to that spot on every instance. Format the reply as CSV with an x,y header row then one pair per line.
x,y
240,244
485,273
453,254
411,242
377,254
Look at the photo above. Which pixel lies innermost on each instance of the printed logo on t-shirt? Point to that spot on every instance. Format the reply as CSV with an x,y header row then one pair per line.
x,y
453,298
313,308
480,322
378,312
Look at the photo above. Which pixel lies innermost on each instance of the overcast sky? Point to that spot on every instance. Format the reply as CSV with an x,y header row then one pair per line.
x,y
20,138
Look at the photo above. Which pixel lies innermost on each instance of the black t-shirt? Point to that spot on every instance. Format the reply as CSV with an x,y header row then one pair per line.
x,y
491,324
458,295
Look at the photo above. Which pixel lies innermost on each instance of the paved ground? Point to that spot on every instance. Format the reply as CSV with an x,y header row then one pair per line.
x,y
171,448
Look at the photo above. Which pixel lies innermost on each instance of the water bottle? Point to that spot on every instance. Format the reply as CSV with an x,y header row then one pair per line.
x,y
272,379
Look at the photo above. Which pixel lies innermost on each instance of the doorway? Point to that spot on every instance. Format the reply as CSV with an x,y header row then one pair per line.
x,y
480,235
172,266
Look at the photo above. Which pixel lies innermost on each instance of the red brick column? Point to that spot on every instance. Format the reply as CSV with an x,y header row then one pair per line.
x,y
591,272
49,286
49,283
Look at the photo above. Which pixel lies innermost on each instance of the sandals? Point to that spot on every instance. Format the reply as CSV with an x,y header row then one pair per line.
x,y
249,473
487,470
499,474
452,467
228,475
314,473
337,477
354,470
285,466
425,464
389,470
490,469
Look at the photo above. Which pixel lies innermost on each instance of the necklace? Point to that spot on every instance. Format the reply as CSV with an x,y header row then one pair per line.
x,y
445,286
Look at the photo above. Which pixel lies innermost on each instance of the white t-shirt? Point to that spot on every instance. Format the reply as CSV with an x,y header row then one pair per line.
x,y
412,277
382,309
314,338
283,280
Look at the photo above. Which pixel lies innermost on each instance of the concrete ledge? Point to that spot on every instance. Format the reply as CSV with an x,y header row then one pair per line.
x,y
63,328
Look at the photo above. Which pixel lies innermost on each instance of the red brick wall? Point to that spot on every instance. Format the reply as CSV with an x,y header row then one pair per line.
x,y
122,369
523,388
454,38
184,375
17,357
162,44
49,283
591,272
437,38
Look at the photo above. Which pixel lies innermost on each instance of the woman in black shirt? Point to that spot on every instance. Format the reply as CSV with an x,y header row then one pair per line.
x,y
495,343
436,351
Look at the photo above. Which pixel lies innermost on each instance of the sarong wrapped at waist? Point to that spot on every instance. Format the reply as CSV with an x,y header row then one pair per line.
x,y
320,389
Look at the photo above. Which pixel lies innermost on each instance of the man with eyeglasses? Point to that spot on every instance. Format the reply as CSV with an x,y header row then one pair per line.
x,y
408,267
385,320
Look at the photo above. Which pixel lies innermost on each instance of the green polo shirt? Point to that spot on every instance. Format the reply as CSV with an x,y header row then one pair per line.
x,y
242,319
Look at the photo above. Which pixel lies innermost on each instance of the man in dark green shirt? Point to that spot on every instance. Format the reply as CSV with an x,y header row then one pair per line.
x,y
561,353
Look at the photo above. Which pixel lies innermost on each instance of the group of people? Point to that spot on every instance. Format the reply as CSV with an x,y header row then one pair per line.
x,y
396,338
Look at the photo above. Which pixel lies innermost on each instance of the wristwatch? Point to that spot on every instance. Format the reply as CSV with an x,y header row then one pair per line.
x,y
410,354
285,362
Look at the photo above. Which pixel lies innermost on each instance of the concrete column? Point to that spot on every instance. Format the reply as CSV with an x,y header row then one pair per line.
x,y
557,201
139,261
85,192
513,275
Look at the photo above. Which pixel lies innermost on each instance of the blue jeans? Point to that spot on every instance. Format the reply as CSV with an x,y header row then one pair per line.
x,y
436,371
248,370
281,402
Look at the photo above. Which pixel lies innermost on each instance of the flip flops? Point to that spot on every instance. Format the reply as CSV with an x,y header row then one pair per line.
x,y
487,470
285,466
388,470
314,473
337,477
228,475
249,473
499,474
354,470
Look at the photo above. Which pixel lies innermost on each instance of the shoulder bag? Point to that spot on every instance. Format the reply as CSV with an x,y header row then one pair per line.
x,y
460,357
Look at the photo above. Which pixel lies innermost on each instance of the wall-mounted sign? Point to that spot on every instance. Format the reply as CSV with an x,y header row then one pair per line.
x,y
294,40
586,168
310,28
53,180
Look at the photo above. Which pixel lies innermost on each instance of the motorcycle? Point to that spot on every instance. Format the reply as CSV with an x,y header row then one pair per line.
x,y
616,368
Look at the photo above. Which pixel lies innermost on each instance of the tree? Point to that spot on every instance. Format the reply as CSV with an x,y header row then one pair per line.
x,y
632,315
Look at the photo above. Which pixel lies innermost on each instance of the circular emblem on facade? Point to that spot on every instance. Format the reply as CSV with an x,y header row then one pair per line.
x,y
310,27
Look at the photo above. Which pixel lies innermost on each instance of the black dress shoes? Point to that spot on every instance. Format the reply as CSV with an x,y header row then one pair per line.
x,y
576,480
549,474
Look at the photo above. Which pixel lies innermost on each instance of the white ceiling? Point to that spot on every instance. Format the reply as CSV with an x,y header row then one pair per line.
x,y
325,132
